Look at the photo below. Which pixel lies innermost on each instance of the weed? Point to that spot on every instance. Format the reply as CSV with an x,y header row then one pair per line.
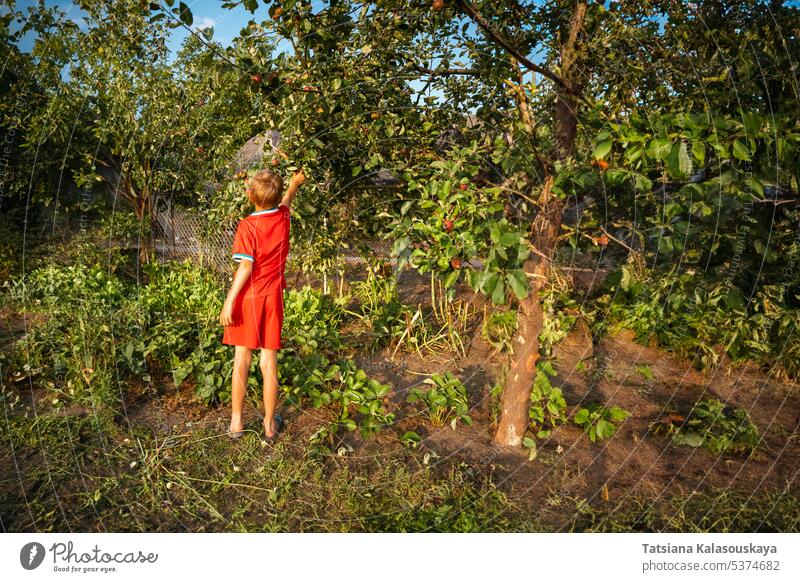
x,y
498,329
446,399
646,371
559,312
547,405
711,424
600,422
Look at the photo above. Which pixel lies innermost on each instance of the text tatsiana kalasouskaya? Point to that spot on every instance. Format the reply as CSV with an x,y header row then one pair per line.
x,y
749,548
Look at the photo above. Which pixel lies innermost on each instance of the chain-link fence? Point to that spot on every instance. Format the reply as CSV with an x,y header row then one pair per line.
x,y
182,234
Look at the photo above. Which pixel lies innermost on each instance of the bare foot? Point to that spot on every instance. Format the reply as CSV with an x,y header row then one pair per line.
x,y
237,425
270,428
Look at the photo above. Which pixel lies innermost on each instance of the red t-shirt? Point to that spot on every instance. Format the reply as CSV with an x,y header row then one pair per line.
x,y
263,238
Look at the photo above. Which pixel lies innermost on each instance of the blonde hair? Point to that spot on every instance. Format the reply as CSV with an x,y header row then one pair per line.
x,y
266,187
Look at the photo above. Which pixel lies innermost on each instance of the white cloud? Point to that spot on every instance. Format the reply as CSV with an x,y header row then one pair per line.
x,y
204,22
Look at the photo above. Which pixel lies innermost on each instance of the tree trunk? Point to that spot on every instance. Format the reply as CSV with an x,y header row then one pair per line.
x,y
142,202
544,233
519,382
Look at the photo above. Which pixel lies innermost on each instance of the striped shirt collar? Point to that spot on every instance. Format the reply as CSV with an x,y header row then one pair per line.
x,y
266,211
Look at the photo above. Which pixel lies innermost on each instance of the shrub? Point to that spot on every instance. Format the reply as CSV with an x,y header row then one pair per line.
x,y
711,424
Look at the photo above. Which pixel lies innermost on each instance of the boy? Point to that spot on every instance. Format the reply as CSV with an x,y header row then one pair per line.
x,y
253,311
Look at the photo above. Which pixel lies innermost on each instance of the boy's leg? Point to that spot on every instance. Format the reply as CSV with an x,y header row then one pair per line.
x,y
241,368
268,362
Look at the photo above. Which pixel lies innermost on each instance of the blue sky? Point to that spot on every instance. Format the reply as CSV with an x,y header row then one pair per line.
x,y
226,23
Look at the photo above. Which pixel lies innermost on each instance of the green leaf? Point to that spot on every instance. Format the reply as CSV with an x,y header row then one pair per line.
x,y
679,163
509,239
699,152
499,293
740,150
659,148
626,278
185,14
605,429
756,186
490,283
518,282
494,232
691,439
450,279
601,149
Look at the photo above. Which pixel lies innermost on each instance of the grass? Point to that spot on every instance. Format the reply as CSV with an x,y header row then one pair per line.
x,y
86,473
720,511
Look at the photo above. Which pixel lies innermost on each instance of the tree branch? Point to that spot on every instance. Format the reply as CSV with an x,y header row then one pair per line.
x,y
472,12
444,72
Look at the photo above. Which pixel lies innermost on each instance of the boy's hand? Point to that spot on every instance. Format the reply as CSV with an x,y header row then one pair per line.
x,y
298,178
226,315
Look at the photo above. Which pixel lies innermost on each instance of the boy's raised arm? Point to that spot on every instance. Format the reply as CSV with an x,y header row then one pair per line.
x,y
294,185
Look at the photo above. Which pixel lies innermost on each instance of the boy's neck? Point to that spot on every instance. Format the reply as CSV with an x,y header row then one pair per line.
x,y
263,208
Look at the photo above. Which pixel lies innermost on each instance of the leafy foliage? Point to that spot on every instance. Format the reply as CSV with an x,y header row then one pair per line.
x,y
449,220
702,319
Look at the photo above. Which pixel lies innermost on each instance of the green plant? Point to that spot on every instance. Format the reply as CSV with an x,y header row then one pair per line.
x,y
410,439
711,424
599,421
366,396
359,400
559,313
445,399
390,321
645,370
311,321
547,405
498,329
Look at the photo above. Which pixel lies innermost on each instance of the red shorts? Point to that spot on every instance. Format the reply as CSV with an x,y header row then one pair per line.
x,y
257,322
